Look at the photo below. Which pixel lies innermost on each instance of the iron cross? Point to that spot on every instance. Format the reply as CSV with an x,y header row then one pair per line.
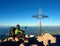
x,y
40,16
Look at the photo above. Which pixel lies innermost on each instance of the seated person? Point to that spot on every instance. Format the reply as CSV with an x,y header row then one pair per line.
x,y
18,32
12,32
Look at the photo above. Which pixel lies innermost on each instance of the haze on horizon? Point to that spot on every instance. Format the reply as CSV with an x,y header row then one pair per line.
x,y
14,12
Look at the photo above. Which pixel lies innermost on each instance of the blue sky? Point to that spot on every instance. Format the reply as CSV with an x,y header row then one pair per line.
x,y
14,12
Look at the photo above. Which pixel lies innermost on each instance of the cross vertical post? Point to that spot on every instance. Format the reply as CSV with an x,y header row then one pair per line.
x,y
40,28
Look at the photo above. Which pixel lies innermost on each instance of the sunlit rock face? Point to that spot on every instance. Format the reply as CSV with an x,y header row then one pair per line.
x,y
4,40
0,40
16,39
32,36
49,37
26,41
10,38
45,38
21,44
26,36
34,45
40,38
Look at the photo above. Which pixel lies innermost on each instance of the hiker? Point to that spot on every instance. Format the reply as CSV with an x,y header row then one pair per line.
x,y
18,32
12,32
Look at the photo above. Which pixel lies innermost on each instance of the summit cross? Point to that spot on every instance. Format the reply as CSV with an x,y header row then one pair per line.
x,y
40,16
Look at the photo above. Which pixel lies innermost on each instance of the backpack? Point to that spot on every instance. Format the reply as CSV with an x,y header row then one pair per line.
x,y
12,32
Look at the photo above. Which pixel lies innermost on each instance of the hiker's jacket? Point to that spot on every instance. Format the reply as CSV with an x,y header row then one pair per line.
x,y
18,32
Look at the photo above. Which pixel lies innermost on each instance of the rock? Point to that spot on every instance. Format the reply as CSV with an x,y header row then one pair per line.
x,y
10,38
32,36
21,44
45,38
34,45
0,40
26,36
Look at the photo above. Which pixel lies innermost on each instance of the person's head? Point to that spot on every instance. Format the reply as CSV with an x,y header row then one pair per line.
x,y
12,28
18,26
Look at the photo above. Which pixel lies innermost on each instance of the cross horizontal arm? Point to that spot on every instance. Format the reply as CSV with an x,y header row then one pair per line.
x,y
35,16
45,16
